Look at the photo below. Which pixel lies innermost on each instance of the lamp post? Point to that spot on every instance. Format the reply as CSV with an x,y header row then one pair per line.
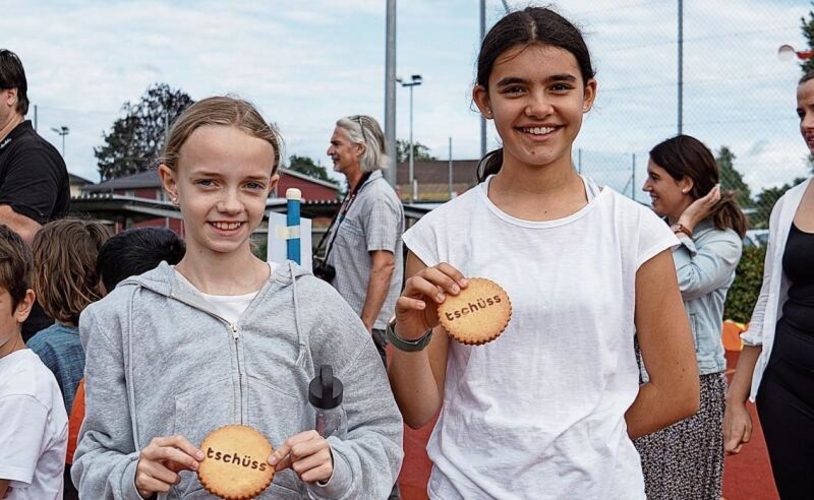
x,y
63,131
414,80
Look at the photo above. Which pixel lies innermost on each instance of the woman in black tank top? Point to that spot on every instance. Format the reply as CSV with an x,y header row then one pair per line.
x,y
779,348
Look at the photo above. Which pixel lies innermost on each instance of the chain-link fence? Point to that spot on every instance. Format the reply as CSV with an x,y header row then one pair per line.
x,y
737,96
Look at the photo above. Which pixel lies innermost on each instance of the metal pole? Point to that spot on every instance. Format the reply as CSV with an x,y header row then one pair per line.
x,y
390,93
35,117
633,178
579,160
450,168
63,144
680,65
412,165
482,119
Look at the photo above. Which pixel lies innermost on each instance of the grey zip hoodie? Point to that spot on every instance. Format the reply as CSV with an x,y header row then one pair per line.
x,y
161,362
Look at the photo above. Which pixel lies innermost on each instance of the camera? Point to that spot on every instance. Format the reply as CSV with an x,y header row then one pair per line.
x,y
323,270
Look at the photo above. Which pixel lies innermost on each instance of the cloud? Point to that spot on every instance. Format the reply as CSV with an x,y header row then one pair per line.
x,y
307,63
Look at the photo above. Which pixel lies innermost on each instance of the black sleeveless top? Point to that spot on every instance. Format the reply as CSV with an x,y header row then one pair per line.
x,y
798,266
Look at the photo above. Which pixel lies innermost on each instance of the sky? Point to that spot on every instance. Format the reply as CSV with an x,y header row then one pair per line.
x,y
307,63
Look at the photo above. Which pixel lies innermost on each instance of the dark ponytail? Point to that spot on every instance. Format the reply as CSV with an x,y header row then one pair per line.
x,y
727,214
489,164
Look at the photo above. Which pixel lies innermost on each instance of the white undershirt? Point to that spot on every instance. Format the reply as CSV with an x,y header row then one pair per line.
x,y
229,307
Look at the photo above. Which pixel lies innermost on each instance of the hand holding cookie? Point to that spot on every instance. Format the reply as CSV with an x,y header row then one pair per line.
x,y
161,461
308,454
417,308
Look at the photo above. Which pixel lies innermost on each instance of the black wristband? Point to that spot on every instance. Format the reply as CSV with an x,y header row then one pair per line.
x,y
403,344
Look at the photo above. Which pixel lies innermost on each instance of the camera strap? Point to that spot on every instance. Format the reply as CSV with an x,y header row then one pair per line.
x,y
339,216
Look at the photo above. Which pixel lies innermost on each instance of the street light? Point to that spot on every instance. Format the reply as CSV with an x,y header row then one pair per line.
x,y
63,131
414,80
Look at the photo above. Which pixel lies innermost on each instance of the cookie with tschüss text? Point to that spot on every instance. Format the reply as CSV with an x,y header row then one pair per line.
x,y
478,314
235,464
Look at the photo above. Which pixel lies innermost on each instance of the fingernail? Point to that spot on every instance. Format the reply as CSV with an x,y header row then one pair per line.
x,y
273,460
199,455
463,281
455,288
421,305
194,465
440,297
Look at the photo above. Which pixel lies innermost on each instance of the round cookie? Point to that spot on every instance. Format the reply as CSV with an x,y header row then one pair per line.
x,y
235,463
478,314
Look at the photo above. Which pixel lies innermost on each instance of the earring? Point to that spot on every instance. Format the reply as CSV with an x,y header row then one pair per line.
x,y
488,113
174,200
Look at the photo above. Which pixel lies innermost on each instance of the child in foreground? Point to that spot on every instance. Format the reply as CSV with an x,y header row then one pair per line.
x,y
548,409
222,338
34,428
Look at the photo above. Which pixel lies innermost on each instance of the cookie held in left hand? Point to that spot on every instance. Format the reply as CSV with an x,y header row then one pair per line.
x,y
235,465
478,314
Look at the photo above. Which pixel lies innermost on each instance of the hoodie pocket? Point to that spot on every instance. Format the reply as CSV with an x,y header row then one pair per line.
x,y
201,410
278,415
198,412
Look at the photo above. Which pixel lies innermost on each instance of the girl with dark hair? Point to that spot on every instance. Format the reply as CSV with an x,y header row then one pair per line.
x,y
548,409
686,460
776,366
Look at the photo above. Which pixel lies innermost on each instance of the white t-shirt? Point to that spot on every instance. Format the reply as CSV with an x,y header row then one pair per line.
x,y
33,428
539,412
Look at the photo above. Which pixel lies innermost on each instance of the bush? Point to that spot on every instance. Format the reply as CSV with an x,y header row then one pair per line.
x,y
748,277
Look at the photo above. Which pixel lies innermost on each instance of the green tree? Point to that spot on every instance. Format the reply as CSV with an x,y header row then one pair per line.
x,y
765,202
731,179
135,141
807,27
309,167
420,152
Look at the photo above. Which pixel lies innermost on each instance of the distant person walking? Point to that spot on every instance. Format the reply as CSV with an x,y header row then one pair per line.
x,y
776,366
34,187
686,460
364,243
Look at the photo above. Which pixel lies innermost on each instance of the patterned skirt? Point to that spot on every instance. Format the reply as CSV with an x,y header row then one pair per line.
x,y
686,460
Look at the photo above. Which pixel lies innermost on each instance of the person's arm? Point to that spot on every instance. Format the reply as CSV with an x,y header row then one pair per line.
x,y
706,266
365,462
666,343
737,421
383,264
417,378
20,224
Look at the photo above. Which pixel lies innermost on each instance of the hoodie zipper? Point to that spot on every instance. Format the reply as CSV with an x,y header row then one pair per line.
x,y
236,336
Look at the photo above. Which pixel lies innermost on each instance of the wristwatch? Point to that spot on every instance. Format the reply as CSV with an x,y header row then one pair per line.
x,y
403,344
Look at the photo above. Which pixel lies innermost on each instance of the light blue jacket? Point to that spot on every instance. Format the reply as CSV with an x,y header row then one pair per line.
x,y
706,266
160,361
